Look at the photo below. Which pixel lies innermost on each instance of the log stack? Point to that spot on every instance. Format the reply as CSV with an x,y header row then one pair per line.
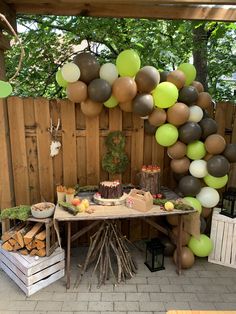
x,y
26,238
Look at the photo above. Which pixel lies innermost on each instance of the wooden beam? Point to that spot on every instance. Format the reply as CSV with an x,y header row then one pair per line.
x,y
4,43
175,12
10,15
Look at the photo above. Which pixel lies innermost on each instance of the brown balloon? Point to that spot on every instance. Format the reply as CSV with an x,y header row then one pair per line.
x,y
91,108
176,151
99,90
149,128
89,66
180,165
172,220
176,77
207,157
230,152
215,144
143,104
204,100
124,89
77,91
178,114
157,117
147,79
198,86
185,237
126,106
188,95
163,76
187,257
208,126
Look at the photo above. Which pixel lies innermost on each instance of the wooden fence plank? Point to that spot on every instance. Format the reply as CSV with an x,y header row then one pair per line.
x,y
42,116
220,117
92,150
68,142
18,150
81,160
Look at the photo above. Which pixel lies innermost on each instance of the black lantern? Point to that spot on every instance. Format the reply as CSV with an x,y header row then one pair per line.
x,y
229,203
154,255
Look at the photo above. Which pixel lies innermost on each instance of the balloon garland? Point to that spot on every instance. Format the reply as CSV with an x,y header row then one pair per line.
x,y
174,107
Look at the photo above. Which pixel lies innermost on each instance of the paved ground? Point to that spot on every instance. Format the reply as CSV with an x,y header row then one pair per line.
x,y
204,286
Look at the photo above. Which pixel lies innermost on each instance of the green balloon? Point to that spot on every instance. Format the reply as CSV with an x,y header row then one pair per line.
x,y
201,247
128,63
60,80
189,71
196,150
165,95
192,201
166,134
216,182
111,102
5,89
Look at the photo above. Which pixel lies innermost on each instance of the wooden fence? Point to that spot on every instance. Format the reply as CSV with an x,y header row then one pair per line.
x,y
36,174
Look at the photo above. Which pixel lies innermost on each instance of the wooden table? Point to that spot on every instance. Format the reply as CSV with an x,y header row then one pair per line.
x,y
115,212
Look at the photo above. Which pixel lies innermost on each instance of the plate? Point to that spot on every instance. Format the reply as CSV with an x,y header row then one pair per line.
x,y
109,201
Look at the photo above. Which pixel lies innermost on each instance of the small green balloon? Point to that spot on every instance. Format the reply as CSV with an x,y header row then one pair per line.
x,y
111,102
196,150
166,134
128,63
189,71
165,95
216,182
5,89
201,247
192,201
60,80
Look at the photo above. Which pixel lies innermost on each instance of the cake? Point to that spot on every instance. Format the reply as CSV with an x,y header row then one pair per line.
x,y
110,189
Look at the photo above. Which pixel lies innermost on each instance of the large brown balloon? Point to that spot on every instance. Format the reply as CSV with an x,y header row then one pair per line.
x,y
178,114
143,104
189,186
187,258
126,106
99,90
149,128
177,78
147,79
91,108
188,95
185,236
204,100
157,117
198,86
77,91
172,220
215,144
230,152
208,126
163,76
124,89
218,166
89,66
189,132
176,151
180,165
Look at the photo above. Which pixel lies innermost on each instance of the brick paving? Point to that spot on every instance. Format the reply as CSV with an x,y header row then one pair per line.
x,y
205,286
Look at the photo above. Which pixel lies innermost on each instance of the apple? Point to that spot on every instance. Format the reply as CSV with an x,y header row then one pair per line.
x,y
85,201
76,201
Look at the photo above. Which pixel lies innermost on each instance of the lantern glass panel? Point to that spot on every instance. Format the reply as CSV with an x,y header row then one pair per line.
x,y
154,255
229,203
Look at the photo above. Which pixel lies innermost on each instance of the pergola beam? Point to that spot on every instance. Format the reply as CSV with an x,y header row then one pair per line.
x,y
9,13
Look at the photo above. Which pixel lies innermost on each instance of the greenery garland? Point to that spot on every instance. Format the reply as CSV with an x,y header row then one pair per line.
x,y
115,141
21,212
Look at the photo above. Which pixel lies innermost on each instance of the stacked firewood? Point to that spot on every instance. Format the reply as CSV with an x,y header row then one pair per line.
x,y
26,238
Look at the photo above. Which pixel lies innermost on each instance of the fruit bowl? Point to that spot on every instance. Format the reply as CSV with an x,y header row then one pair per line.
x,y
42,210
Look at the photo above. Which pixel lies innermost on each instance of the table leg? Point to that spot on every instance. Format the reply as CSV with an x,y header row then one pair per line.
x,y
179,244
68,255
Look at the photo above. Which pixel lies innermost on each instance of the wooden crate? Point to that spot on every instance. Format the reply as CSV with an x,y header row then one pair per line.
x,y
223,235
32,274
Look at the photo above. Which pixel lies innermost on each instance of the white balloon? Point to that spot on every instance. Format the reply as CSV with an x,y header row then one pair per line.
x,y
70,72
198,168
208,197
108,72
196,114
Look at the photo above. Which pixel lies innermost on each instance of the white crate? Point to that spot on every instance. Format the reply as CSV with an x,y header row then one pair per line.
x,y
31,274
223,235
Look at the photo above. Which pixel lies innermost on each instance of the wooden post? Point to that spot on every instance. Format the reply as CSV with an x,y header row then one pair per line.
x,y
6,177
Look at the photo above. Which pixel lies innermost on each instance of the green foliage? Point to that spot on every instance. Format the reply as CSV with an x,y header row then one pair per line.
x,y
21,212
49,41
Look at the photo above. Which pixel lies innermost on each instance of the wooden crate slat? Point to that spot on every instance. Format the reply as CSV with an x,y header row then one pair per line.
x,y
68,142
224,242
92,150
233,255
42,116
18,150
